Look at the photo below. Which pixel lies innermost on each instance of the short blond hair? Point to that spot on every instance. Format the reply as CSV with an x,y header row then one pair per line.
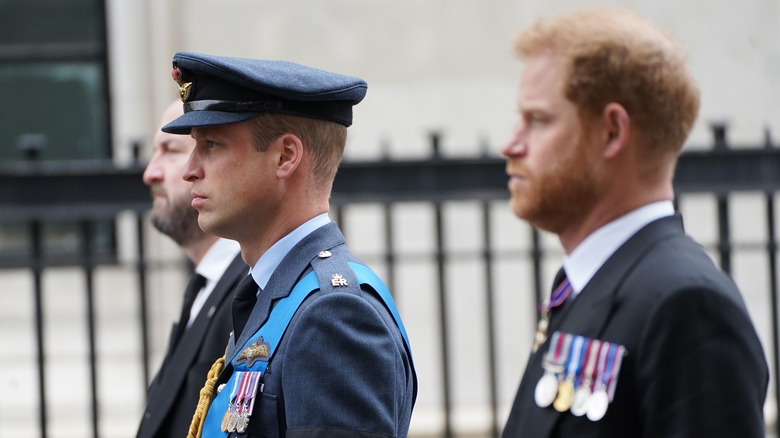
x,y
324,140
617,56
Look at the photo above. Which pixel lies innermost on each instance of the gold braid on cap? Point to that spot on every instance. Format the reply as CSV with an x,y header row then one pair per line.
x,y
199,417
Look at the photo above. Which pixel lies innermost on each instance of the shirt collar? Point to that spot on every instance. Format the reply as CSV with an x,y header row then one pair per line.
x,y
212,266
588,257
269,261
216,260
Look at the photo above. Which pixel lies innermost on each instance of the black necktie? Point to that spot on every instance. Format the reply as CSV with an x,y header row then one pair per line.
x,y
560,293
195,285
243,303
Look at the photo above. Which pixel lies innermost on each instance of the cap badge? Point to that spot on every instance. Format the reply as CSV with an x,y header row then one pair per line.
x,y
185,88
257,350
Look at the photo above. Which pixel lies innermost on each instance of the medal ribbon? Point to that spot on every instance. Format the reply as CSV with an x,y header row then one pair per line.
x,y
606,376
255,381
601,364
231,410
552,362
555,348
245,388
557,341
566,350
237,395
615,369
234,392
584,360
249,387
558,296
590,368
575,356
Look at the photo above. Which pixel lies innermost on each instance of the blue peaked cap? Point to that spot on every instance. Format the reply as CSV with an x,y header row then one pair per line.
x,y
219,90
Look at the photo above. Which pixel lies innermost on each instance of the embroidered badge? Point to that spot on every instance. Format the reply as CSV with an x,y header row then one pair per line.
x,y
185,88
257,350
338,281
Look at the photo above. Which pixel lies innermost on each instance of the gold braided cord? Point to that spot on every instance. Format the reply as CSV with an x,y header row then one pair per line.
x,y
199,417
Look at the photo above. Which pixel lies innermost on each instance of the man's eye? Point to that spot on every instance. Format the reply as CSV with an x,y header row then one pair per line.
x,y
536,121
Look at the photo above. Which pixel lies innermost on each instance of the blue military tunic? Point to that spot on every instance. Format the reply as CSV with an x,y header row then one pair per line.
x,y
331,358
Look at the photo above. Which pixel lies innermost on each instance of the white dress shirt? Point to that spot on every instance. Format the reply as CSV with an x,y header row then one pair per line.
x,y
588,257
212,266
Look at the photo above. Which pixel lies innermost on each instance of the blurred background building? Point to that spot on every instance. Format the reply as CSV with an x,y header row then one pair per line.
x,y
88,290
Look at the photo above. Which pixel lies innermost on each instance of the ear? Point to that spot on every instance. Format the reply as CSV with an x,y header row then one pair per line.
x,y
617,126
290,155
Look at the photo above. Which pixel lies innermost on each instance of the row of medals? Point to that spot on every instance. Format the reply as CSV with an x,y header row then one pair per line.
x,y
580,375
242,397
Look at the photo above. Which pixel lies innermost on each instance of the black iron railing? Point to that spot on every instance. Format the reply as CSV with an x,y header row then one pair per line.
x,y
88,193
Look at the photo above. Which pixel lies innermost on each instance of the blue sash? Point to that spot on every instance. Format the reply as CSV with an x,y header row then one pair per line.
x,y
262,345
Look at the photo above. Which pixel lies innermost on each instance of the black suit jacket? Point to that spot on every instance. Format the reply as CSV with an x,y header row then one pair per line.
x,y
174,391
694,368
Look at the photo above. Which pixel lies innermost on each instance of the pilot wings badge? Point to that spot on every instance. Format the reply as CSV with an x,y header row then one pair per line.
x,y
257,350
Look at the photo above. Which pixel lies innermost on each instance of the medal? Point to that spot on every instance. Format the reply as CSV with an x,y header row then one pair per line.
x,y
228,423
565,396
579,405
597,405
547,387
238,418
581,402
243,422
546,390
541,329
242,401
226,418
246,400
610,364
580,375
233,421
596,408
557,297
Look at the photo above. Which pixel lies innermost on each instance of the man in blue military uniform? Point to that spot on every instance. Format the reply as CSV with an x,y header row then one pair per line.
x,y
318,348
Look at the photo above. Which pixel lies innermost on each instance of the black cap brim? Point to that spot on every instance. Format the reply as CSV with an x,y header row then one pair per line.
x,y
194,119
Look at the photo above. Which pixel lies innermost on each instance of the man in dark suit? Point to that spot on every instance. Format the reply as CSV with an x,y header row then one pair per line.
x,y
200,336
643,335
318,348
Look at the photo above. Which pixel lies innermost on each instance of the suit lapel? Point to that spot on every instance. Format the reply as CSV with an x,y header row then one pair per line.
x,y
591,311
289,271
174,374
589,314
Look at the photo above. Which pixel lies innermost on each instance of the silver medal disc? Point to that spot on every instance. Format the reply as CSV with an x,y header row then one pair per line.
x,y
546,390
232,422
597,405
242,423
581,401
